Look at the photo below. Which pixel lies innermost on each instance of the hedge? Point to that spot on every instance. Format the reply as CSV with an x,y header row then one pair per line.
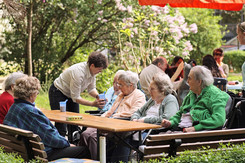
x,y
224,154
234,59
13,158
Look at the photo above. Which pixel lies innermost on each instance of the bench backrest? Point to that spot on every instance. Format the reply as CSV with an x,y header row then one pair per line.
x,y
173,143
23,142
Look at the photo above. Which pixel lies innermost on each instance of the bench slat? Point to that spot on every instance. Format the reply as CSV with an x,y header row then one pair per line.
x,y
16,146
14,130
37,145
39,153
211,133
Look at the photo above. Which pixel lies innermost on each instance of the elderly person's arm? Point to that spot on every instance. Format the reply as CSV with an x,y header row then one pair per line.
x,y
218,115
140,112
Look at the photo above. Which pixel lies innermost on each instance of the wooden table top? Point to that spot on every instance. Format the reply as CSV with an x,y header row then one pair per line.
x,y
101,123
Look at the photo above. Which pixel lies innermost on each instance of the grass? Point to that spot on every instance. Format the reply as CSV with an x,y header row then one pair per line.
x,y
42,101
235,77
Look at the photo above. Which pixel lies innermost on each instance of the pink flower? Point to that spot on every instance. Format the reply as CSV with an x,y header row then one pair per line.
x,y
104,20
129,8
100,12
99,1
135,30
193,28
99,18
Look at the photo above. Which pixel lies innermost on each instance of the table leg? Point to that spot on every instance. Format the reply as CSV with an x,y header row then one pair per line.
x,y
102,149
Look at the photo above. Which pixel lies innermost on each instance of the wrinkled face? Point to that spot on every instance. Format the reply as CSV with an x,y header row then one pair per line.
x,y
194,84
240,35
125,88
95,70
154,92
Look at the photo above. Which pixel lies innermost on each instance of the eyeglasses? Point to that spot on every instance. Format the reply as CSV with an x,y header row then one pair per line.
x,y
241,27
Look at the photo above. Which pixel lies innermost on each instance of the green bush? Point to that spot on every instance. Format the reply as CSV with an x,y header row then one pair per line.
x,y
13,158
234,59
224,154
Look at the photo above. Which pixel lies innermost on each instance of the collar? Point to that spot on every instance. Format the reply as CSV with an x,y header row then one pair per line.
x,y
23,101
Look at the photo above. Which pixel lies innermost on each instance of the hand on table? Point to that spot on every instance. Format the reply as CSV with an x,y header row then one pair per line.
x,y
166,123
190,129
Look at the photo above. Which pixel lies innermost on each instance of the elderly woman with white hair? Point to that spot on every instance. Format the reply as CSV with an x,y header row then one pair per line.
x,y
128,101
204,106
161,105
7,97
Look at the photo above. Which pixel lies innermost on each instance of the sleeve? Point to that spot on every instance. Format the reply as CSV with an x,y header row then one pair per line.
x,y
169,109
41,125
175,120
141,110
92,85
217,119
226,69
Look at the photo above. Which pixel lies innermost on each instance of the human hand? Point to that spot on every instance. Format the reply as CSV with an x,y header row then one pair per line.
x,y
99,103
190,129
135,120
166,123
72,145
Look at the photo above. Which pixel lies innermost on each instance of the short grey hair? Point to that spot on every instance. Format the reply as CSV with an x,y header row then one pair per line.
x,y
129,77
26,86
11,80
163,83
203,74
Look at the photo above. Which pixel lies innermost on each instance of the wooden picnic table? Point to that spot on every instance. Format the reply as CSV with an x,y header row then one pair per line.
x,y
102,124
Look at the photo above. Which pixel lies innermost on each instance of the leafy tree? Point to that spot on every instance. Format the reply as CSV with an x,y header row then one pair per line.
x,y
60,28
210,32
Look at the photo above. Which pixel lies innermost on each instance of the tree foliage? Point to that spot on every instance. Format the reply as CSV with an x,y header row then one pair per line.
x,y
210,32
60,28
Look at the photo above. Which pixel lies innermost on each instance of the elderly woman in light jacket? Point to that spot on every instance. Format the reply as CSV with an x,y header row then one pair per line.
x,y
162,104
128,101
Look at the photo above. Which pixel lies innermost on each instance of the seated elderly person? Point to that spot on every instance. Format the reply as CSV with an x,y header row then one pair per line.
x,y
204,106
23,114
6,98
161,105
112,93
128,101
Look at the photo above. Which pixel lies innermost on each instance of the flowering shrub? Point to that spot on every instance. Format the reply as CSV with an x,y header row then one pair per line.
x,y
152,31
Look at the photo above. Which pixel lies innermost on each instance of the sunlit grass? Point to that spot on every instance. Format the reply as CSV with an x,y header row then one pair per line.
x,y
42,101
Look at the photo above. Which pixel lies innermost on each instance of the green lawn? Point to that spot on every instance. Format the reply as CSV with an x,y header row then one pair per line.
x,y
42,101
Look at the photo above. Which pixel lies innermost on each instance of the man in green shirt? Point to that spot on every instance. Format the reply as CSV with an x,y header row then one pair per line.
x,y
204,106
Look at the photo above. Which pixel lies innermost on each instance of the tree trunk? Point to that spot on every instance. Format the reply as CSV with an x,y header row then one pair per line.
x,y
29,31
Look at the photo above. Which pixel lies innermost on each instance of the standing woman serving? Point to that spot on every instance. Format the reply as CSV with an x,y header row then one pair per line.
x,y
72,82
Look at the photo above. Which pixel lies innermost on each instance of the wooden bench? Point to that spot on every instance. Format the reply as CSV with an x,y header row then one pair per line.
x,y
173,144
23,142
